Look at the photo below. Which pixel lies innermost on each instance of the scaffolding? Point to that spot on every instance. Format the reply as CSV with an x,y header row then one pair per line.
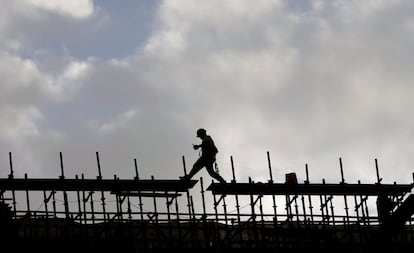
x,y
153,215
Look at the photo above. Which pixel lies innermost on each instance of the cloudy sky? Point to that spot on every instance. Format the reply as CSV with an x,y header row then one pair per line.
x,y
308,81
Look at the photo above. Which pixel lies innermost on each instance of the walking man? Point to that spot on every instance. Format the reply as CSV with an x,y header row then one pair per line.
x,y
207,158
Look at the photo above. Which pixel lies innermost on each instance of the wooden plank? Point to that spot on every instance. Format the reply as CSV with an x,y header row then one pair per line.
x,y
19,184
147,194
309,189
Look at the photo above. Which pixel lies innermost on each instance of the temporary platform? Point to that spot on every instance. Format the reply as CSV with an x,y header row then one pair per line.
x,y
153,215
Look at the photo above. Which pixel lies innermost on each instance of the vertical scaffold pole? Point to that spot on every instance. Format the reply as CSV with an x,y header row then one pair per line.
x,y
379,179
62,172
139,191
309,196
205,229
332,210
235,196
140,204
102,192
65,196
129,209
225,210
253,213
11,176
55,221
271,182
11,166
270,167
187,192
184,167
92,207
325,205
296,207
342,171
85,217
47,228
215,206
27,197
203,198
120,200
79,201
136,169
154,201
322,205
305,217
232,170
261,212
45,200
345,197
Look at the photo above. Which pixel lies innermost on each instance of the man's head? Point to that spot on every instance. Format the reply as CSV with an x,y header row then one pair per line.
x,y
201,133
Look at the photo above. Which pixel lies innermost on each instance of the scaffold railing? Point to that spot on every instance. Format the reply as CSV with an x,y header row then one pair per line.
x,y
171,213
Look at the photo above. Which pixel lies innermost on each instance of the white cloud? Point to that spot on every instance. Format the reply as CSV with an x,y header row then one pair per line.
x,y
119,122
25,132
25,84
18,124
315,84
72,8
70,80
307,82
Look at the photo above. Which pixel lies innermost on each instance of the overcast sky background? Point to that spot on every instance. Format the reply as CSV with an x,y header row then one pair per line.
x,y
308,81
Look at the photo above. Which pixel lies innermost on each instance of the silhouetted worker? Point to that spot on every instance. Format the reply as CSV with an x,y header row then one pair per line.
x,y
207,158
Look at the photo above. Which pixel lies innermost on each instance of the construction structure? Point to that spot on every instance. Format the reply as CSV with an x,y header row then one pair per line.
x,y
152,215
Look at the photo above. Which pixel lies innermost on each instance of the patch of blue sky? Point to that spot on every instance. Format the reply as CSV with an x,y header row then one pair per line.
x,y
117,29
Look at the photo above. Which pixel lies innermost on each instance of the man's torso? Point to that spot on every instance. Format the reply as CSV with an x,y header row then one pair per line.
x,y
208,149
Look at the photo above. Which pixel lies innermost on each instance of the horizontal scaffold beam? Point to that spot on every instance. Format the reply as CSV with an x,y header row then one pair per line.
x,y
113,185
147,194
309,189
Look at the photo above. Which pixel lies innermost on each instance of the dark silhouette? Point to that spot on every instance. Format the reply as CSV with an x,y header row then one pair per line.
x,y
384,207
8,232
207,158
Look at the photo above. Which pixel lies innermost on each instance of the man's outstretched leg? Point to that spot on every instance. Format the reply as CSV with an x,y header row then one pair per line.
x,y
213,174
198,165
